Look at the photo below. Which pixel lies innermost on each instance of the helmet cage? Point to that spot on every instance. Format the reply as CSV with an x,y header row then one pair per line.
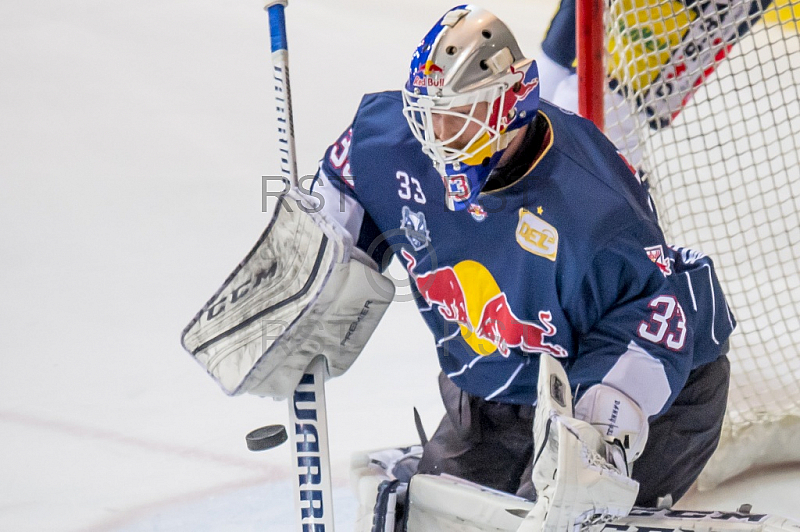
x,y
420,110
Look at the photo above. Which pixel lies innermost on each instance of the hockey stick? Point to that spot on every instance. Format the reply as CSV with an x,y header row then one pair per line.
x,y
283,95
307,414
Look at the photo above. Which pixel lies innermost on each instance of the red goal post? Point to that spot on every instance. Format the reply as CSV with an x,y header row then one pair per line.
x,y
590,47
704,98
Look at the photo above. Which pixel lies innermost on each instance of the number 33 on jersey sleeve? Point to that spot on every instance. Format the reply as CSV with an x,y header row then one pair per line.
x,y
665,323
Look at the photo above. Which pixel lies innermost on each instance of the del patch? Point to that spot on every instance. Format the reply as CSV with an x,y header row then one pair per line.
x,y
537,236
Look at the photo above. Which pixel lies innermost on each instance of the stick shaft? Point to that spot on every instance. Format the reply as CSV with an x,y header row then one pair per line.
x,y
309,434
283,94
307,413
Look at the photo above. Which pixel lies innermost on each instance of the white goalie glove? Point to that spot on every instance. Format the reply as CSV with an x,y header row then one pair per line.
x,y
304,290
581,466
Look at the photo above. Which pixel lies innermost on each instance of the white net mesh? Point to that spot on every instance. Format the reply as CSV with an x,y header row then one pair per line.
x,y
725,175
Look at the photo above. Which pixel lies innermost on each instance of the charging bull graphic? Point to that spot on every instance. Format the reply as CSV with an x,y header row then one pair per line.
x,y
502,106
441,289
468,295
499,325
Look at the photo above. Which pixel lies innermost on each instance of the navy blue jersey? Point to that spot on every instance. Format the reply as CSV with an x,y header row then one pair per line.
x,y
568,260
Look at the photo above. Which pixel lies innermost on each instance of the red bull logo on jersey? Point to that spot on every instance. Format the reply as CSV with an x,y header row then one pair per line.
x,y
441,289
499,325
468,295
477,212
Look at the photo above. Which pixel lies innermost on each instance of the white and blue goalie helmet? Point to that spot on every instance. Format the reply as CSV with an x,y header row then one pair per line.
x,y
469,74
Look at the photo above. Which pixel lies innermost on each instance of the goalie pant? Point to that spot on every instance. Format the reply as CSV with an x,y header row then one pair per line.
x,y
476,439
684,58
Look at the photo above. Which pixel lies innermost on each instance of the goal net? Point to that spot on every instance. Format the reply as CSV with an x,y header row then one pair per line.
x,y
704,97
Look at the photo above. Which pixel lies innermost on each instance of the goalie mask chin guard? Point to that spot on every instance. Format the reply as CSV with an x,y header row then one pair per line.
x,y
468,80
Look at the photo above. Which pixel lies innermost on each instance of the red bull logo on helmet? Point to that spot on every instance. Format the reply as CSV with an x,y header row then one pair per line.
x,y
501,115
429,75
468,295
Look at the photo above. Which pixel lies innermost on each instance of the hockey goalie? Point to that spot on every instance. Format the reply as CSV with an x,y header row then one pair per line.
x,y
526,235
532,251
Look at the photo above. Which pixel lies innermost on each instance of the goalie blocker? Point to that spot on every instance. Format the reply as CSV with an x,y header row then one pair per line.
x,y
302,291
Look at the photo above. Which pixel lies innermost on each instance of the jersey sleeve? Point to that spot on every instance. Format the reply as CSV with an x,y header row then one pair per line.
x,y
559,40
634,334
334,186
698,288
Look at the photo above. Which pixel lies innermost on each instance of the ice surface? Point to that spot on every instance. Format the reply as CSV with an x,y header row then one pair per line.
x,y
134,136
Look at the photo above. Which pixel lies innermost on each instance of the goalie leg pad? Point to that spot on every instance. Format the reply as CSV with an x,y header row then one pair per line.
x,y
385,513
576,483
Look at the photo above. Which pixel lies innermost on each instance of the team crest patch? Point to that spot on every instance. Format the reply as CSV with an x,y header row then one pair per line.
x,y
537,236
656,254
478,213
416,228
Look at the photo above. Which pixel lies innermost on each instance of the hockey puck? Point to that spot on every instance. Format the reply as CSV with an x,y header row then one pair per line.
x,y
266,437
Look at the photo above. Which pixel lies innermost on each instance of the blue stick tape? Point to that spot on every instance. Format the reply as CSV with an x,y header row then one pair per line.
x,y
277,27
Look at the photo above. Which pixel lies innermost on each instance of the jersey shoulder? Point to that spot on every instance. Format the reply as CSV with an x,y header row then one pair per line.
x,y
381,137
380,122
581,142
377,121
589,169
